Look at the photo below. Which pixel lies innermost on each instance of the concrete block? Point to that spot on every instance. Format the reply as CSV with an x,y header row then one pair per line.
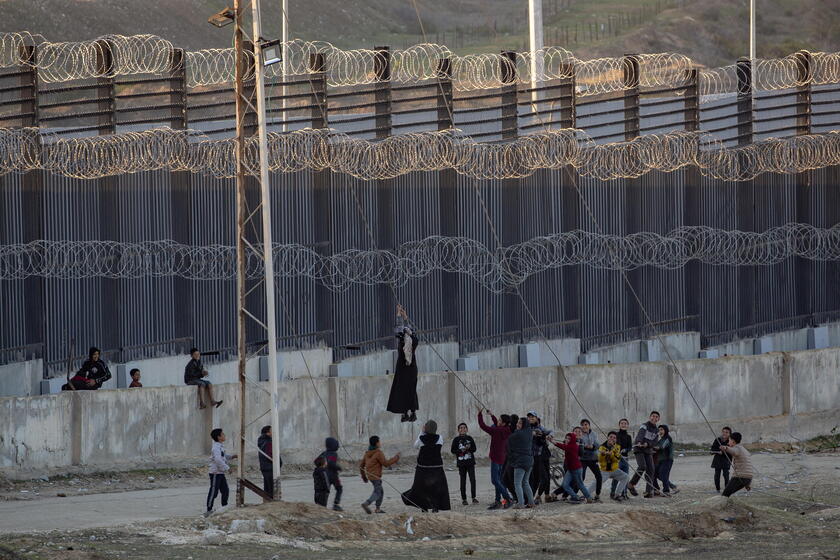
x,y
566,349
763,345
817,338
529,355
50,386
341,369
650,351
467,363
589,358
709,353
120,372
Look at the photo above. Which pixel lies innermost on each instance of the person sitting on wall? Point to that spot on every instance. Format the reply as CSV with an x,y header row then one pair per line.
x,y
135,378
403,397
194,374
93,373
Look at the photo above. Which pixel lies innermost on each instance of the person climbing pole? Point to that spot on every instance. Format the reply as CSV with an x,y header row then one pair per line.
x,y
403,397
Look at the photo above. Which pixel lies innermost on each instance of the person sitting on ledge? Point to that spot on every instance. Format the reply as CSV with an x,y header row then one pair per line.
x,y
194,374
93,373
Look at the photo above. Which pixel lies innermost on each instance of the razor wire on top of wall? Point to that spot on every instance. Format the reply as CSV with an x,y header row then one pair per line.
x,y
25,149
497,270
149,54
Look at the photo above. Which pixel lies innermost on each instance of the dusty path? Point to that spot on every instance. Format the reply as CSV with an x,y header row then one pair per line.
x,y
116,509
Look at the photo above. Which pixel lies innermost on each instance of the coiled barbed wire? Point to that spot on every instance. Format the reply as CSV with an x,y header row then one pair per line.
x,y
25,149
141,54
497,270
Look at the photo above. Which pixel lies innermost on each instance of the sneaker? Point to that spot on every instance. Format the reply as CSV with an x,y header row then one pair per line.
x,y
377,510
508,505
464,502
537,501
674,491
412,417
366,507
665,494
574,501
404,418
208,513
612,495
475,501
632,490
495,505
531,506
648,494
596,499
518,506
337,507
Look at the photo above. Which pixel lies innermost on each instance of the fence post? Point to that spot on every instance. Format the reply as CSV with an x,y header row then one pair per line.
x,y
745,193
511,188
322,192
181,196
32,186
570,199
632,189
691,198
448,196
385,207
109,331
805,268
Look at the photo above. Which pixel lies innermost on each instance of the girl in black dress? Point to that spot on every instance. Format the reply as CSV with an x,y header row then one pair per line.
x,y
403,397
430,490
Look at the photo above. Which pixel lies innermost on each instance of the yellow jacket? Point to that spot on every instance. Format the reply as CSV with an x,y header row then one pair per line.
x,y
608,458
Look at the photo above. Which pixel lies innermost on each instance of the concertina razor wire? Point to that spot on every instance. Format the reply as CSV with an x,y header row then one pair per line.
x,y
25,149
150,54
497,270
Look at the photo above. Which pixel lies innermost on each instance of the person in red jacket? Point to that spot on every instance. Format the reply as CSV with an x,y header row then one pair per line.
x,y
499,434
574,468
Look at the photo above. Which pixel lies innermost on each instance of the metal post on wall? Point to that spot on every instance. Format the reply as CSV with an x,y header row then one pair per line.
x,y
32,185
745,193
385,207
691,197
511,191
633,201
570,196
322,191
804,267
448,194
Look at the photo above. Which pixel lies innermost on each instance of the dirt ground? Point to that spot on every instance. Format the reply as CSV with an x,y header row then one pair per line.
x,y
792,512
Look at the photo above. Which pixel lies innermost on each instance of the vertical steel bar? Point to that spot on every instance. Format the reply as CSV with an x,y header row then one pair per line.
x,y
805,268
385,198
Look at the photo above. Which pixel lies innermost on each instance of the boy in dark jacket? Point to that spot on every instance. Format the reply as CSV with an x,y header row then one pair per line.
x,y
721,462
625,440
321,480
644,446
499,434
266,461
463,447
330,455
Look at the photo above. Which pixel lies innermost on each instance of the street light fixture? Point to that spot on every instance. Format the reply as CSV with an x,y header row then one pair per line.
x,y
222,18
272,52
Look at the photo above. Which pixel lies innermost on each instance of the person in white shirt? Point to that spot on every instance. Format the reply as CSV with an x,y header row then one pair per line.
x,y
218,467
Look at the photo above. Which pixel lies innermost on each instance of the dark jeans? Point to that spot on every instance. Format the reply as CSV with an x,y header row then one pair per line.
x,y
624,466
718,472
496,480
596,470
268,483
463,472
736,484
644,467
377,495
339,489
663,473
540,476
218,484
321,498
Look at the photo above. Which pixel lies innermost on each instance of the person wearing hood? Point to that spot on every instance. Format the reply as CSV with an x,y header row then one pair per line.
x,y
403,396
330,456
665,459
499,434
644,446
371,471
589,455
267,461
321,481
93,373
574,468
464,448
430,490
521,459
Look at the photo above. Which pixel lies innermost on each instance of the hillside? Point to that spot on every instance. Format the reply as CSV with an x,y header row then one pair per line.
x,y
713,32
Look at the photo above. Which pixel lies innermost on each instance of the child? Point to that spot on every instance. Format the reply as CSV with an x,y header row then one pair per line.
x,y
589,455
499,434
135,378
218,468
720,462
573,468
371,470
321,481
665,454
609,457
264,444
743,471
644,446
463,447
330,455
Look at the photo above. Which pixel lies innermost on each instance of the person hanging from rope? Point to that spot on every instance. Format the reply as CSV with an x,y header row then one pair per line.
x,y
403,396
93,373
430,490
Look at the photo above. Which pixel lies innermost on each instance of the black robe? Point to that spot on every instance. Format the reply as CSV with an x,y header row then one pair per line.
x,y
403,395
430,490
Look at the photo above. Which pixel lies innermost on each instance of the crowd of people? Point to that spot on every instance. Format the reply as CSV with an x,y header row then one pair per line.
x,y
521,472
